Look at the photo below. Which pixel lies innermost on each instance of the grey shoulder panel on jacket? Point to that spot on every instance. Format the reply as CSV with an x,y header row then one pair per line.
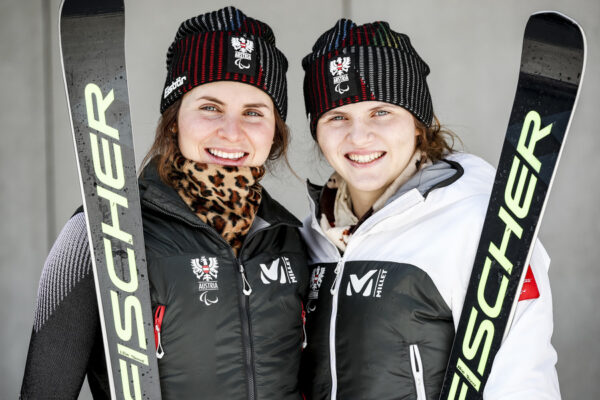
x,y
67,264
439,174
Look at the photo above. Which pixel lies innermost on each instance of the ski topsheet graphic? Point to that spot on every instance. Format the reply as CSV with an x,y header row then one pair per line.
x,y
552,64
92,48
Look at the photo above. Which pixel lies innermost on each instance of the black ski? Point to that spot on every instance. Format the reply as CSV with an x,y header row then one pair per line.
x,y
92,48
552,64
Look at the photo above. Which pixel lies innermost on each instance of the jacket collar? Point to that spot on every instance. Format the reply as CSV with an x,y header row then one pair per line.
x,y
440,174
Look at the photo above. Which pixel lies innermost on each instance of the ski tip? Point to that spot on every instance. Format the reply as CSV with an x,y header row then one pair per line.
x,y
556,14
554,47
554,26
90,7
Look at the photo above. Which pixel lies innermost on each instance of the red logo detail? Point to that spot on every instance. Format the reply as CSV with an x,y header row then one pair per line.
x,y
206,269
530,289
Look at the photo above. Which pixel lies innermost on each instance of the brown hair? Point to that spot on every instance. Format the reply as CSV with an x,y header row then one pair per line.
x,y
166,145
436,141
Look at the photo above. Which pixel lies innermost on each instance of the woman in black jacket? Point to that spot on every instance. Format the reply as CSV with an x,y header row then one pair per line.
x,y
226,264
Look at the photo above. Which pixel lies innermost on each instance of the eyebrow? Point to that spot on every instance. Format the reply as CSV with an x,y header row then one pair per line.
x,y
210,98
256,105
377,107
335,112
249,105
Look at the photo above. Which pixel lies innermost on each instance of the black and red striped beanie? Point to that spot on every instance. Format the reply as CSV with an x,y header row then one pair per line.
x,y
351,63
225,45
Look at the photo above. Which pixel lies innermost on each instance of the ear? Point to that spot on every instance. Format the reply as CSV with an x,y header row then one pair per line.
x,y
418,130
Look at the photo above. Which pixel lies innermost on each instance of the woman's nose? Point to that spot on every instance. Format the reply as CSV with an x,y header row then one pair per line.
x,y
231,129
360,132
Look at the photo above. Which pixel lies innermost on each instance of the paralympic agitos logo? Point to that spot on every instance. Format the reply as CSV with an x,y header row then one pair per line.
x,y
125,306
482,335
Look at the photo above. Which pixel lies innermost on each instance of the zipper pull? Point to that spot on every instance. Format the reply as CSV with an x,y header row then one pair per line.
x,y
305,339
417,370
247,288
159,349
158,318
336,271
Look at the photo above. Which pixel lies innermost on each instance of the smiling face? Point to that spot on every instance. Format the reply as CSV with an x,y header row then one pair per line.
x,y
227,123
369,144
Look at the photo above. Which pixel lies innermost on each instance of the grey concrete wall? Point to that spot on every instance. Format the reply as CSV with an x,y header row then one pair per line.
x,y
473,50
23,231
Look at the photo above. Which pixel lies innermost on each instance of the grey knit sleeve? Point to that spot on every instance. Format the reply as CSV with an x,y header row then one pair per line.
x,y
67,264
66,343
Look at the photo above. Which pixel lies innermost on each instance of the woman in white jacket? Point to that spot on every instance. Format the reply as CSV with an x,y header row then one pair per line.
x,y
393,234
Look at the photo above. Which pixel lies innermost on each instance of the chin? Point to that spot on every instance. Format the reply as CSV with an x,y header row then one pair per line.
x,y
369,186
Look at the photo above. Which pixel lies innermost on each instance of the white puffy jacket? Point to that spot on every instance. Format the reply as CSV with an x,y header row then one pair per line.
x,y
382,316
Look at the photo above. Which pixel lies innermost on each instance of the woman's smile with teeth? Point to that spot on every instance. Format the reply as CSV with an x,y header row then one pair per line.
x,y
222,154
365,158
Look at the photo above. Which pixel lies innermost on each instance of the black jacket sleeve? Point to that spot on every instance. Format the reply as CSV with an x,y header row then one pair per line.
x,y
66,340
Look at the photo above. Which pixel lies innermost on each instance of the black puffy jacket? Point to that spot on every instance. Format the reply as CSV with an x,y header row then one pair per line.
x,y
217,342
232,327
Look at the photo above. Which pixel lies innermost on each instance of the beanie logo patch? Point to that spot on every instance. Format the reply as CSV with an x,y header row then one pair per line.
x,y
339,69
343,80
176,83
240,56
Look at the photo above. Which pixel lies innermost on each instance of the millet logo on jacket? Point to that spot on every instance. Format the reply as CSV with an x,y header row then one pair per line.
x,y
277,272
206,271
369,285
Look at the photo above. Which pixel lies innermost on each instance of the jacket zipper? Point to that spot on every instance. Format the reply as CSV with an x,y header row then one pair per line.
x,y
417,371
244,303
247,333
335,290
304,337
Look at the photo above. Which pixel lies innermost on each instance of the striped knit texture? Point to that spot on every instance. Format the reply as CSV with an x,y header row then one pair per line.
x,y
68,263
386,68
200,50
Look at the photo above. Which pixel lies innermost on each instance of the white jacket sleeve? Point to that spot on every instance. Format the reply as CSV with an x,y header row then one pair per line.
x,y
524,367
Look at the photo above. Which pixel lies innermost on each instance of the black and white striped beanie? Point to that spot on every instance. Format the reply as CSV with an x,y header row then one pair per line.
x,y
225,45
351,63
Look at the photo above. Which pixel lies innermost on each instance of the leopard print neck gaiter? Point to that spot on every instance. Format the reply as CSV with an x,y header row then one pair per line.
x,y
224,197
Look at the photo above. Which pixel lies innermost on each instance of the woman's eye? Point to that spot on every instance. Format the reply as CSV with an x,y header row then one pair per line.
x,y
253,114
337,118
208,108
380,113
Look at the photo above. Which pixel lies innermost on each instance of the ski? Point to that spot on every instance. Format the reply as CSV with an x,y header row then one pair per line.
x,y
93,58
552,65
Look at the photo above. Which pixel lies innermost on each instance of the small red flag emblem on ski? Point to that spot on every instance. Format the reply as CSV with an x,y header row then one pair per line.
x,y
530,289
